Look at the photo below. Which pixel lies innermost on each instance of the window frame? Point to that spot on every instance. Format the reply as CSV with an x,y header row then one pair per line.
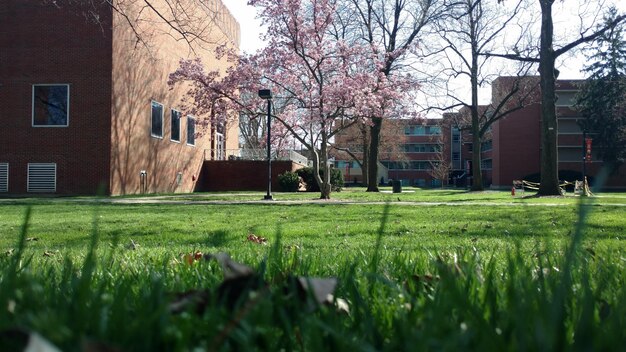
x,y
151,120
32,121
191,118
172,125
565,91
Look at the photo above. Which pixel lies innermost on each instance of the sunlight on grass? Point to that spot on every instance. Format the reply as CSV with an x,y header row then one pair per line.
x,y
414,277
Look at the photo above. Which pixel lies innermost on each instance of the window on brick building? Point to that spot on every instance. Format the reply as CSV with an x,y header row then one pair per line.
x,y
191,130
51,105
157,120
175,125
566,98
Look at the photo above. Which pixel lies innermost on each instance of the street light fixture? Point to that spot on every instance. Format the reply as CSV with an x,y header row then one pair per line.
x,y
266,94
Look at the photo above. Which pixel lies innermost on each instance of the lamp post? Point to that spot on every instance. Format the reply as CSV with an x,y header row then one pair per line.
x,y
266,94
584,171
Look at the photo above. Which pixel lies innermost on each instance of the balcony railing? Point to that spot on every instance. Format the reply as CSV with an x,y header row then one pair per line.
x,y
256,154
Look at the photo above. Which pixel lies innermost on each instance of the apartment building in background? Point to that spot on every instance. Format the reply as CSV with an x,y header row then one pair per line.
x,y
510,150
408,150
86,108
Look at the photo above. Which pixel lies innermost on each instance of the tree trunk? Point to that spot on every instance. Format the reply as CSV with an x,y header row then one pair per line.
x,y
372,170
366,155
325,186
549,153
477,173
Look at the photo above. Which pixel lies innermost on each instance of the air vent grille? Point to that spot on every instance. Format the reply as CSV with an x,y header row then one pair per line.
x,y
42,178
4,177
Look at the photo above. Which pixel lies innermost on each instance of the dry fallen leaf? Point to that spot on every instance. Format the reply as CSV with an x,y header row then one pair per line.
x,y
192,257
32,239
257,239
231,268
48,254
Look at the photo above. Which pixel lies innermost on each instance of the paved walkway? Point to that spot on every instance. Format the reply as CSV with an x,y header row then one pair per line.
x,y
176,199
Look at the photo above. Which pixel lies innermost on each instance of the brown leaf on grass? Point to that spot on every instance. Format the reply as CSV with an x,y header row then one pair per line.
x,y
48,254
231,268
191,299
257,239
317,288
32,239
192,257
9,252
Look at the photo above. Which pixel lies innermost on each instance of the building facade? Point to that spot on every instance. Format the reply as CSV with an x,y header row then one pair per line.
x,y
510,150
408,152
85,104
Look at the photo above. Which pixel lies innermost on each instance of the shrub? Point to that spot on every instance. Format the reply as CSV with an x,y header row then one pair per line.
x,y
289,181
336,179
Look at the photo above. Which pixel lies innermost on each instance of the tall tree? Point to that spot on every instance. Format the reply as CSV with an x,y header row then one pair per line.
x,y
602,100
322,82
547,56
470,29
392,30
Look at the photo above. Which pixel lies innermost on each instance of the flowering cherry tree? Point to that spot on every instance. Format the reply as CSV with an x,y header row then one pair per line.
x,y
321,81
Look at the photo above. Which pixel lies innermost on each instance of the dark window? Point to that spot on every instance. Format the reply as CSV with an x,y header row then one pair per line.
x,y
157,120
51,105
191,130
175,123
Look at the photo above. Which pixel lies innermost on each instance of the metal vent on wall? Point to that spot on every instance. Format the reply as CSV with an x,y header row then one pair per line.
x,y
4,177
42,177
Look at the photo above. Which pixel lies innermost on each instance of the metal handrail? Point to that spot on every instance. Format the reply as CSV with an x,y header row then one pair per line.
x,y
257,154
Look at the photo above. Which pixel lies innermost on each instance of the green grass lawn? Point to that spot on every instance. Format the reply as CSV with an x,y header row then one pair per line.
x,y
409,194
489,272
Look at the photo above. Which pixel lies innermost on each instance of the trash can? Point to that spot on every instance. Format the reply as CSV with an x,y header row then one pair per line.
x,y
397,186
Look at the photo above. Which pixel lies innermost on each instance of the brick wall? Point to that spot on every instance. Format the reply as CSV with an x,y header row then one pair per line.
x,y
140,75
42,44
242,175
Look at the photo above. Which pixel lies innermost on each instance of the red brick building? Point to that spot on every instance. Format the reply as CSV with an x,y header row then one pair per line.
x,y
516,142
85,105
408,150
511,150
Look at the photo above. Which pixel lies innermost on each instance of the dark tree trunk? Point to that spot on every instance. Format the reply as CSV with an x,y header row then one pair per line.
x,y
372,170
549,153
325,186
477,174
366,155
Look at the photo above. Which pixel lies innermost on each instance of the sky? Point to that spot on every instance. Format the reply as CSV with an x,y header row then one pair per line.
x,y
570,66
250,26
